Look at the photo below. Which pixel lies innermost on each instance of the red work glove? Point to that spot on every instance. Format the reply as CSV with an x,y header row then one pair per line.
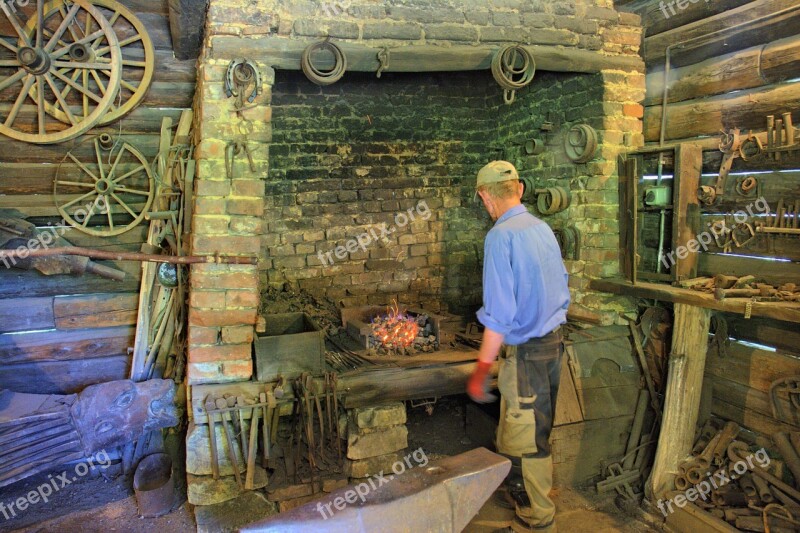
x,y
478,384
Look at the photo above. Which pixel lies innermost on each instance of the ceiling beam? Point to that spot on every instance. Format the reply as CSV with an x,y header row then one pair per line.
x,y
187,22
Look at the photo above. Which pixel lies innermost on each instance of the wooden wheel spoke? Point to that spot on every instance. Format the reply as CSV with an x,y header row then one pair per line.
x,y
76,65
15,23
129,174
99,158
85,99
98,81
10,63
87,24
114,18
60,99
11,80
132,88
132,63
26,87
133,191
40,104
124,205
62,27
83,167
71,27
77,87
8,45
113,168
48,34
76,200
125,42
75,184
108,213
84,40
90,214
40,25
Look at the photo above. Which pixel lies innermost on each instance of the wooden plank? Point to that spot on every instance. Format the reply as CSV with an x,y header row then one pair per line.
x,y
284,53
568,408
785,311
709,115
15,283
62,377
686,212
629,203
95,310
719,34
776,334
64,345
25,314
579,450
774,272
753,367
752,407
682,398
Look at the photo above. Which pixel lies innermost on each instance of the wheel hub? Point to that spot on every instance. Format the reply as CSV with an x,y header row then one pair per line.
x,y
104,186
80,52
34,60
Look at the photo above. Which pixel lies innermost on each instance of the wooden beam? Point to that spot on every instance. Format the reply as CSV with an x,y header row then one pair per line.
x,y
187,23
686,213
786,311
729,31
707,116
284,53
658,17
682,401
746,69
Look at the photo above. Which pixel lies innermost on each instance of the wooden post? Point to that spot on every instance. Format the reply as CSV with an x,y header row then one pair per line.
x,y
686,211
682,403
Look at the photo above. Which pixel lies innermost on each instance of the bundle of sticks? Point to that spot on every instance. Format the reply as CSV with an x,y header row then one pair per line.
x,y
746,488
722,287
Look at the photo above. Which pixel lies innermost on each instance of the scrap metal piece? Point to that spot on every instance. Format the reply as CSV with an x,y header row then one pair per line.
x,y
441,496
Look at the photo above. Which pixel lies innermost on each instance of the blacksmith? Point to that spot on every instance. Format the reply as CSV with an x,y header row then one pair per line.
x,y
525,300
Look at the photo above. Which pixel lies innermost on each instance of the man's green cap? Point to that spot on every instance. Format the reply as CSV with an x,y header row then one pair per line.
x,y
495,172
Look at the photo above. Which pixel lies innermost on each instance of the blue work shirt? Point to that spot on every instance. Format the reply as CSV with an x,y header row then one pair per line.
x,y
525,292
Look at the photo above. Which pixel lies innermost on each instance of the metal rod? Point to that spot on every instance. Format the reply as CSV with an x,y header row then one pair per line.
x,y
129,256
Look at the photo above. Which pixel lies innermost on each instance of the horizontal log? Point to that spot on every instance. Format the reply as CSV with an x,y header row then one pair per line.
x,y
659,291
774,272
658,16
26,314
746,69
707,116
63,377
56,345
729,31
754,367
752,404
284,53
95,310
782,335
16,283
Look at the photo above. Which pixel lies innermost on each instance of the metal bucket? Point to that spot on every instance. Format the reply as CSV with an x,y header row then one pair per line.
x,y
153,485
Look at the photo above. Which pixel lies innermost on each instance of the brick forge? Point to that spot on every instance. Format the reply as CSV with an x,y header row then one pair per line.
x,y
351,155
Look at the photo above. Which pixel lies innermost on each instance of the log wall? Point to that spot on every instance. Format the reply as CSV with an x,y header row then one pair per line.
x,y
61,333
732,62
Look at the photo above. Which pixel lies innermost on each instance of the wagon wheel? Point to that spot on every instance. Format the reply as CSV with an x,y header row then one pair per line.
x,y
116,184
57,45
137,57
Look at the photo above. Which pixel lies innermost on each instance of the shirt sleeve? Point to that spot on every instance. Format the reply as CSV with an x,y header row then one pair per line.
x,y
499,303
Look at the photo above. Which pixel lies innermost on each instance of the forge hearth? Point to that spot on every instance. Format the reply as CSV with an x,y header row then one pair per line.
x,y
364,323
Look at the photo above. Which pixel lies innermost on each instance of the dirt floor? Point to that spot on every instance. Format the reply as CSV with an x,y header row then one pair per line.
x,y
94,504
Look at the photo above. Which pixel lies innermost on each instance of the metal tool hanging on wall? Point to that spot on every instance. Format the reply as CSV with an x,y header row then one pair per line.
x,y
240,76
318,75
513,68
580,143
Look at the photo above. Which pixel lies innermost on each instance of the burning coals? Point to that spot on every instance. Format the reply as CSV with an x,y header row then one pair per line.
x,y
397,333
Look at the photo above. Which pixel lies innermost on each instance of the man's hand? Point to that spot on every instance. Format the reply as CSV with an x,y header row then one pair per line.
x,y
478,384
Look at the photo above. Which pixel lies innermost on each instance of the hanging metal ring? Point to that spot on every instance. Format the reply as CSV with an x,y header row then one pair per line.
x,y
318,76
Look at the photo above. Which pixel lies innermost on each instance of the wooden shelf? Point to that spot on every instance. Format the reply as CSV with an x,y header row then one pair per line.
x,y
787,311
